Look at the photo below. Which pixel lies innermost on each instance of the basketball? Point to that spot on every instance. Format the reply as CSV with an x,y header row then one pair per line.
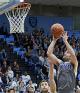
x,y
57,30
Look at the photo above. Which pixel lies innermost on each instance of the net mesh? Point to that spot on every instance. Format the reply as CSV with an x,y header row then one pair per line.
x,y
17,17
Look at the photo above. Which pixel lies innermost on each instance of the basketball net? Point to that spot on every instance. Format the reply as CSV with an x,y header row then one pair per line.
x,y
16,17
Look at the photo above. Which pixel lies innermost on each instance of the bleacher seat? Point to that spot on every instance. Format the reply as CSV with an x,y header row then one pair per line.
x,y
10,39
2,37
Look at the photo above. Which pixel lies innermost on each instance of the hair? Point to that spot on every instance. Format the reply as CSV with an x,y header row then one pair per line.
x,y
43,81
11,89
27,90
40,85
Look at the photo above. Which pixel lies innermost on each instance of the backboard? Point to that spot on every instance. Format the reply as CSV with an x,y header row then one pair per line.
x,y
6,5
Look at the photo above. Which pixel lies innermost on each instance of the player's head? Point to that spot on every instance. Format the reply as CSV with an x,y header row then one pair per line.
x,y
66,55
44,86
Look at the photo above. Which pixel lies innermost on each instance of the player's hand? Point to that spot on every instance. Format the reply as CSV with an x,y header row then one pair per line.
x,y
55,39
65,37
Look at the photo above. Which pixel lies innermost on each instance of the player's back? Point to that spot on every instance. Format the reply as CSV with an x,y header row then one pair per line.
x,y
66,78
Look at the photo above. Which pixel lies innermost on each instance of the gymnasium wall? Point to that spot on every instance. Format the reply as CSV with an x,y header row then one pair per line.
x,y
43,16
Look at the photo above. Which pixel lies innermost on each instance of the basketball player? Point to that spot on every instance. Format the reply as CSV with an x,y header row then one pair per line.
x,y
51,78
44,87
53,88
50,87
67,70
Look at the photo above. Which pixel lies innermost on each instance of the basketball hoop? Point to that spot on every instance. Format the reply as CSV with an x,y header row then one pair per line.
x,y
16,17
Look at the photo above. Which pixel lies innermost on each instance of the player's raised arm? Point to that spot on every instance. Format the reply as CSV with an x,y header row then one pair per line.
x,y
50,54
73,58
51,78
57,31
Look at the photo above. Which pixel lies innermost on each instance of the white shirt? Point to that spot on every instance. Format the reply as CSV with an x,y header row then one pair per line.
x,y
10,74
26,78
0,80
13,84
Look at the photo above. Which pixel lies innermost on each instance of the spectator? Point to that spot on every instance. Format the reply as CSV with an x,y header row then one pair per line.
x,y
10,73
31,84
4,67
21,86
15,68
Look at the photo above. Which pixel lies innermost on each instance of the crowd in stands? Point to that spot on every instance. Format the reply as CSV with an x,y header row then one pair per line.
x,y
31,47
